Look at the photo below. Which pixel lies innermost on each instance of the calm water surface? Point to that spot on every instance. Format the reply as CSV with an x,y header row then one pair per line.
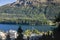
x,y
6,27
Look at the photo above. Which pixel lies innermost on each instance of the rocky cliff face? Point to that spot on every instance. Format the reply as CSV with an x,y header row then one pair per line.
x,y
33,2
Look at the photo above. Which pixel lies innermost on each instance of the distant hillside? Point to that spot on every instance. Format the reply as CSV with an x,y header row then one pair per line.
x,y
29,10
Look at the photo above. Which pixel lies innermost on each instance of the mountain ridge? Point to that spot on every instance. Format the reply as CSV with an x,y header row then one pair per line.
x,y
34,2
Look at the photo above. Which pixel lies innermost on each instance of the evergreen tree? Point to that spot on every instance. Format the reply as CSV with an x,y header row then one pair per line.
x,y
58,18
56,31
8,37
19,30
20,35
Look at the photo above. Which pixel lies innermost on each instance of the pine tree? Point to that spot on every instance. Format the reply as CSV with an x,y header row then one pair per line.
x,y
8,37
20,35
56,31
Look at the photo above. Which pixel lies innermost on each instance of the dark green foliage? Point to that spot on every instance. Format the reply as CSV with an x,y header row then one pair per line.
x,y
28,38
20,30
50,11
41,13
56,31
58,18
20,35
46,37
8,37
24,13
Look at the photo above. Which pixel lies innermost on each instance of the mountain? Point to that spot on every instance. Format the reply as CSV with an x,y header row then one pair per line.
x,y
37,10
33,2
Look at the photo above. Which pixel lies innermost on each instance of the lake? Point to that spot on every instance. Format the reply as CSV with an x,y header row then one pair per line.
x,y
6,27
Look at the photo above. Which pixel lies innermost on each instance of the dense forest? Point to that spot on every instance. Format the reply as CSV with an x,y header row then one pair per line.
x,y
19,13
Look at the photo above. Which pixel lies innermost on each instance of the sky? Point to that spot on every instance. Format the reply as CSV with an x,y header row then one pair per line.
x,y
3,2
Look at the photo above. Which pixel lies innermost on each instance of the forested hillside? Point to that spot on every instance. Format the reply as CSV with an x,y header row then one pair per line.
x,y
27,10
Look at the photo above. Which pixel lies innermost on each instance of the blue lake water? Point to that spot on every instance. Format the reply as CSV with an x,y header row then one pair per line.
x,y
6,27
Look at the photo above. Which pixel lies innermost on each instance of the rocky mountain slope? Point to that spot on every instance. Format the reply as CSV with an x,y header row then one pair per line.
x,y
30,10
